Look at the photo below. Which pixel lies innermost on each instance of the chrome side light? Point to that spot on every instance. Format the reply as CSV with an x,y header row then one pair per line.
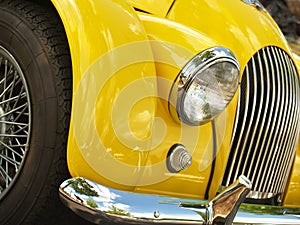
x,y
205,86
178,158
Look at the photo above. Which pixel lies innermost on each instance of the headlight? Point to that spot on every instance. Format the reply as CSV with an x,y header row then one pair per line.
x,y
205,86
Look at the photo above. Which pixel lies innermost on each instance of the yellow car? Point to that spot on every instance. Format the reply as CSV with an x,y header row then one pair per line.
x,y
141,112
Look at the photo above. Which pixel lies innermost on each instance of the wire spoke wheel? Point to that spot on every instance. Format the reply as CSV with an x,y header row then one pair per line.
x,y
15,121
35,110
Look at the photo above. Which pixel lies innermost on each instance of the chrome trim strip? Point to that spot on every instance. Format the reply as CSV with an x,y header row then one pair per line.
x,y
271,112
283,141
244,127
281,157
266,128
235,133
263,173
292,132
248,128
256,4
260,195
278,98
257,123
243,124
272,159
97,204
254,194
263,65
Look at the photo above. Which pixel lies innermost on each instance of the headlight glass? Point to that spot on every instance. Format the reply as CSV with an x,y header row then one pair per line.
x,y
205,86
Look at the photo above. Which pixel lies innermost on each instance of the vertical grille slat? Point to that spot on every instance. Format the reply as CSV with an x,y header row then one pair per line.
x,y
243,143
267,124
293,132
276,146
242,115
286,137
260,118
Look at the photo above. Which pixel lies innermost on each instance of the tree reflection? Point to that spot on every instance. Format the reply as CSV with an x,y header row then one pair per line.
x,y
82,187
116,211
91,203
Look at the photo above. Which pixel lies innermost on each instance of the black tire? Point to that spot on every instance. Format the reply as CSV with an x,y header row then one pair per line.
x,y
33,39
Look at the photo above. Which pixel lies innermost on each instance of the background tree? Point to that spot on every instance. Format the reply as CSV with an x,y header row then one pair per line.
x,y
286,13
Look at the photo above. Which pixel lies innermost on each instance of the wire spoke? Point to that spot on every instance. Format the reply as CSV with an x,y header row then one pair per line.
x,y
14,155
15,98
19,96
24,106
12,88
18,146
11,149
6,176
22,128
6,89
13,135
9,160
21,113
15,121
21,146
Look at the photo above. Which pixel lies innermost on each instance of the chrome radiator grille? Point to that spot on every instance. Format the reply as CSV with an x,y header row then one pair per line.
x,y
267,123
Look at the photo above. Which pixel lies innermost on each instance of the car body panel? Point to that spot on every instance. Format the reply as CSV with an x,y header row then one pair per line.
x,y
292,192
155,7
173,45
117,25
106,149
237,26
233,23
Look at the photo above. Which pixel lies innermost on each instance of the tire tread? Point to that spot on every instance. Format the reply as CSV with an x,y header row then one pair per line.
x,y
48,28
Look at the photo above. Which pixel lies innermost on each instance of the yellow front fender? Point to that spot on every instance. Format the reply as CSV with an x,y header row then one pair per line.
x,y
110,55
128,65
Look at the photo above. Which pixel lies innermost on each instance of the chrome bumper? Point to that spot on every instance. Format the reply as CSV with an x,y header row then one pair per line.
x,y
98,204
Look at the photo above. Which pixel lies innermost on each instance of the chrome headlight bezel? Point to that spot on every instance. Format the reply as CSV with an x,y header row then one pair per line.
x,y
207,61
255,3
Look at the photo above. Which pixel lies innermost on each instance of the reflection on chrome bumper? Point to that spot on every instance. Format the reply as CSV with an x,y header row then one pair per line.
x,y
97,203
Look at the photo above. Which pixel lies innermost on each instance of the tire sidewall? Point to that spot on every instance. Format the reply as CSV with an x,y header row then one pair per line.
x,y
17,36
